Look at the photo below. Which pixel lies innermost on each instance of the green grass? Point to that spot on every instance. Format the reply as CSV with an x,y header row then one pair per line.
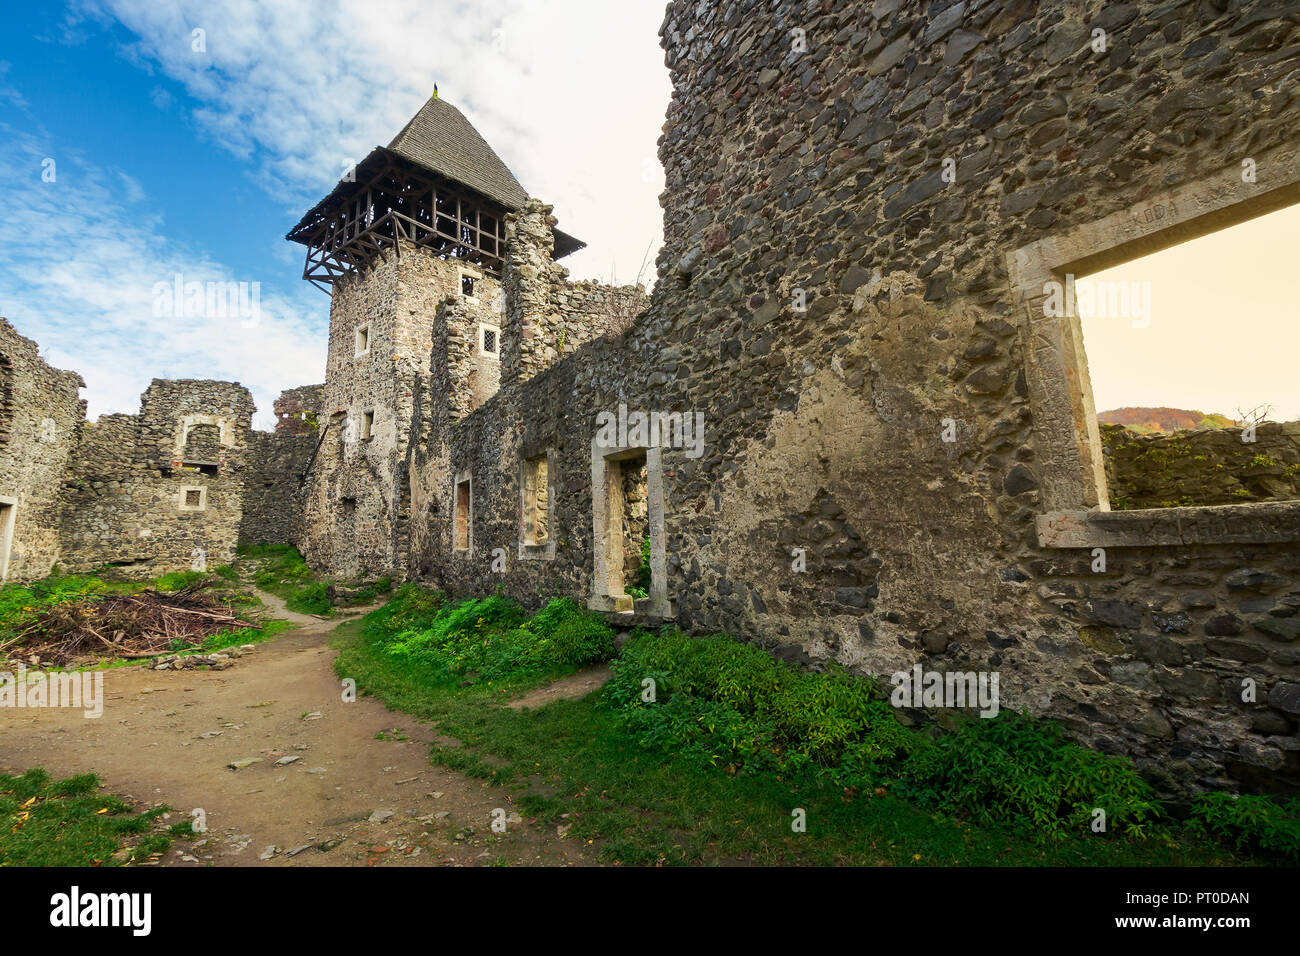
x,y
286,575
176,580
70,823
21,603
664,791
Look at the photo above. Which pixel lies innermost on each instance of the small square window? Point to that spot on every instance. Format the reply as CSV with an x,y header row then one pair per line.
x,y
489,340
467,286
363,340
193,499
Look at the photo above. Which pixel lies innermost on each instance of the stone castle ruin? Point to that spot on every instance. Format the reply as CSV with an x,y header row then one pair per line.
x,y
899,463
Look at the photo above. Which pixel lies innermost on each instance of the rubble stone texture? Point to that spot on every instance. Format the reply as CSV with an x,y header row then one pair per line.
x,y
900,463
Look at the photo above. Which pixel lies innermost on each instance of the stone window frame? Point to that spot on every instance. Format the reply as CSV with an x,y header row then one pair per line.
x,y
1076,508
367,425
7,533
462,273
603,597
483,329
463,478
225,431
184,491
546,551
361,331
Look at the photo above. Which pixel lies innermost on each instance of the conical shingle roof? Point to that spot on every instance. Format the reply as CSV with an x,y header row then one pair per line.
x,y
439,138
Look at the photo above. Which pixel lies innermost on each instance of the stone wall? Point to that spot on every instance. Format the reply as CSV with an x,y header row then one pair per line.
x,y
297,410
1203,466
276,486
588,309
40,415
551,317
145,496
841,314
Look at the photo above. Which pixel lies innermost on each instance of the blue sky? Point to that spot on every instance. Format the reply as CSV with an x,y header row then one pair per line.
x,y
170,160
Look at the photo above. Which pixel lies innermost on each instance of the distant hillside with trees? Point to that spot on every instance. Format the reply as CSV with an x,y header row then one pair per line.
x,y
1144,420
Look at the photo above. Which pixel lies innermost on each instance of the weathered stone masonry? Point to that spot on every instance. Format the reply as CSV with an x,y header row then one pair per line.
x,y
40,415
168,489
810,170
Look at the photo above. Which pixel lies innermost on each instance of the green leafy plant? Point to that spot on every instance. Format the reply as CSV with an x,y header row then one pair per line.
x,y
1015,768
1248,822
491,638
726,703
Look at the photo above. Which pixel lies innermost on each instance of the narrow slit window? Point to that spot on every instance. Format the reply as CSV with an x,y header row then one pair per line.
x,y
536,505
462,515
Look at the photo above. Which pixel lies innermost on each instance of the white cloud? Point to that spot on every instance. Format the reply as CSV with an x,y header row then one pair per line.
x,y
82,284
161,98
571,94
8,92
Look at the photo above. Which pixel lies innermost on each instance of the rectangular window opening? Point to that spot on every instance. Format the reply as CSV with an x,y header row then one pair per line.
x,y
626,545
462,515
536,503
1190,355
363,340
8,511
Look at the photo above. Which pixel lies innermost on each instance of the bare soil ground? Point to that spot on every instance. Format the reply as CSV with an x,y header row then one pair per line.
x,y
323,792
574,687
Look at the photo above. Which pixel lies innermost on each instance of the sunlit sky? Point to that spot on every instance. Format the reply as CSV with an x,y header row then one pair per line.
x,y
1224,332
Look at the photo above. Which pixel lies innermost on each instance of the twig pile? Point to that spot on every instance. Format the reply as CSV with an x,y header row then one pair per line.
x,y
137,625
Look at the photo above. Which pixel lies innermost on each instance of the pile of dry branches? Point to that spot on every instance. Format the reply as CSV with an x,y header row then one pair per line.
x,y
136,625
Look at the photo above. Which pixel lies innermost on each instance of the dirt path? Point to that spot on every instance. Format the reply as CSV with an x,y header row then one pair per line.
x,y
324,791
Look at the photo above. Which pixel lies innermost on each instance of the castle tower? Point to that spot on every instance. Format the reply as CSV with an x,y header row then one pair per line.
x,y
418,223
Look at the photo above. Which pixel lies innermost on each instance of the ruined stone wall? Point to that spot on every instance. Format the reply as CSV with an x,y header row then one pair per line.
x,y
40,415
297,410
144,495
843,317
589,309
275,493
551,317
1203,466
276,487
160,491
